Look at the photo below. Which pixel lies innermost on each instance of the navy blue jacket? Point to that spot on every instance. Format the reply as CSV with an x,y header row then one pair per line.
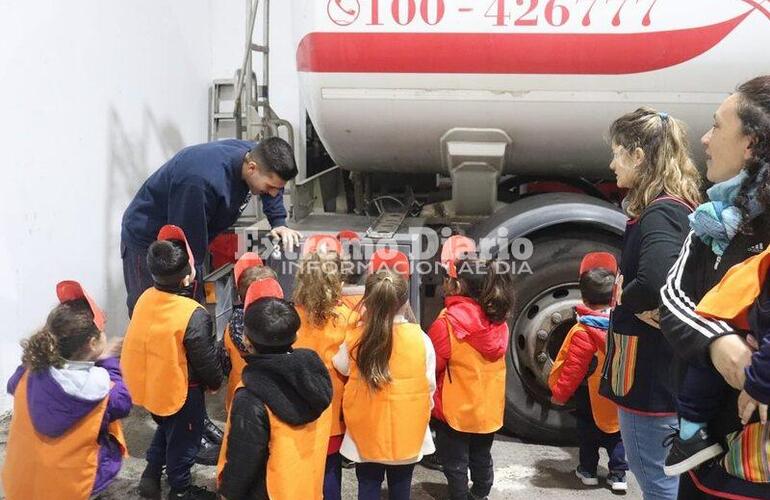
x,y
200,190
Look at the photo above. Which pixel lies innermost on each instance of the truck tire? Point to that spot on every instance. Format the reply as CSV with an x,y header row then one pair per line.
x,y
545,298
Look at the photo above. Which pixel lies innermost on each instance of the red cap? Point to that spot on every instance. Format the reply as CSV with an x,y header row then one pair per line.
x,y
347,235
454,248
72,290
247,260
267,287
171,232
321,243
596,260
392,260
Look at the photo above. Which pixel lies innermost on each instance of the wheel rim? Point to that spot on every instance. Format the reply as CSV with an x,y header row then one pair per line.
x,y
538,334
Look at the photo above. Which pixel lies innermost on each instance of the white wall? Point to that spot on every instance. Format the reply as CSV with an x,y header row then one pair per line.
x,y
94,95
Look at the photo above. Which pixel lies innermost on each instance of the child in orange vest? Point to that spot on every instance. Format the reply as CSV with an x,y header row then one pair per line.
x,y
387,399
275,441
581,356
65,440
470,337
317,296
169,360
248,269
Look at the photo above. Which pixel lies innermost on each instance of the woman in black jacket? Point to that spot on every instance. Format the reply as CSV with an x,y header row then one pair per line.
x,y
651,159
726,231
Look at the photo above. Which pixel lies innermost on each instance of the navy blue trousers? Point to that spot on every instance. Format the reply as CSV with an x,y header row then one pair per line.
x,y
177,440
333,477
701,394
371,475
591,438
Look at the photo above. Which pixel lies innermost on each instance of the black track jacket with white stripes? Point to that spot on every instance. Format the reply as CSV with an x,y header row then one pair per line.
x,y
695,272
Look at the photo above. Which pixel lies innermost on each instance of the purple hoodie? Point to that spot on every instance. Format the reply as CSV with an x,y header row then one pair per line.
x,y
53,412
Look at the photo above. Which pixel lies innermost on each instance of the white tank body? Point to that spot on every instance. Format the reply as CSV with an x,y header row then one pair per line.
x,y
384,80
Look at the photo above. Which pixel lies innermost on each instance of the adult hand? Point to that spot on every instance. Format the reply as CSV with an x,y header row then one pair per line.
x,y
289,237
617,291
746,407
113,348
557,402
731,355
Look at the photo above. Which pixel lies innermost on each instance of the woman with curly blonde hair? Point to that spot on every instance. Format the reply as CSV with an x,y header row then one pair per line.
x,y
317,297
651,159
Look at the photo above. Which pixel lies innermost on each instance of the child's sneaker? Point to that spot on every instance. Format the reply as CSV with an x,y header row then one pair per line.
x,y
588,478
616,480
192,492
686,454
431,462
208,453
149,483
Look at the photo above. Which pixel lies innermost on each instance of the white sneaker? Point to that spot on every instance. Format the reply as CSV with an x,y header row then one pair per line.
x,y
617,481
586,477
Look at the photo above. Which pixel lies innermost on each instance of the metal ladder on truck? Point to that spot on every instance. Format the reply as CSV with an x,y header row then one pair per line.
x,y
242,105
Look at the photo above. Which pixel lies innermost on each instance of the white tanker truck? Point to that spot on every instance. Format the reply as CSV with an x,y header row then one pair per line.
x,y
489,117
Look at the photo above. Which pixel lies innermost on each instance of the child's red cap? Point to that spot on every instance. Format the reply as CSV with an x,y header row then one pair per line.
x,y
72,290
596,260
454,248
392,260
267,287
321,243
171,232
347,235
247,260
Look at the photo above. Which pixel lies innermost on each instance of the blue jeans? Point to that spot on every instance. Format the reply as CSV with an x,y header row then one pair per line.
x,y
643,437
371,475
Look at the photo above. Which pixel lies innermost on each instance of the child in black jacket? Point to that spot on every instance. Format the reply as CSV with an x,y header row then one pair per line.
x,y
275,443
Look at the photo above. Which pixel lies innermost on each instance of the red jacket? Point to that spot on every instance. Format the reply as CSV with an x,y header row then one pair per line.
x,y
583,345
586,340
468,321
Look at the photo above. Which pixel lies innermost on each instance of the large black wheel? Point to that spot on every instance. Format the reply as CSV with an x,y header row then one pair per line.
x,y
544,313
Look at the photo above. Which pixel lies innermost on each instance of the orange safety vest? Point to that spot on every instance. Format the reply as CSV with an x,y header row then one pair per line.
x,y
61,468
732,298
604,411
325,341
237,364
389,424
154,361
473,391
296,457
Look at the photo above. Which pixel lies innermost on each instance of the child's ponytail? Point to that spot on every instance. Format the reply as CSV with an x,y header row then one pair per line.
x,y
69,327
497,297
41,351
385,293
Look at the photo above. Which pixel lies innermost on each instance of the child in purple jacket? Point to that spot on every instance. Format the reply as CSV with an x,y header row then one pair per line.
x,y
69,369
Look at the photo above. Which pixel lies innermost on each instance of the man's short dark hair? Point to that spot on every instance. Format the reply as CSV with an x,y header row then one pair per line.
x,y
596,286
276,156
271,322
168,262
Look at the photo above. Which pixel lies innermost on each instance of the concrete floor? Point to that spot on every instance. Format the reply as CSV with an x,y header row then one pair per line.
x,y
522,470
